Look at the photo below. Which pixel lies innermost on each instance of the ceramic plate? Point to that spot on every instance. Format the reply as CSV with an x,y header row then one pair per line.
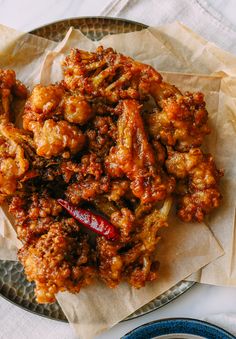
x,y
178,328
13,284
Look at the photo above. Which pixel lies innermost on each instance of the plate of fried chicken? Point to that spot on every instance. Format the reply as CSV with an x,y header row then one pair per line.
x,y
92,173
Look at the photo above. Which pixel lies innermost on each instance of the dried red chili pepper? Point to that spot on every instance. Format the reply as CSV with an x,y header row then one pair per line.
x,y
92,221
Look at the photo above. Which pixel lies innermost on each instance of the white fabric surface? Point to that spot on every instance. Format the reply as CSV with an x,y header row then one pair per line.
x,y
226,321
196,14
203,17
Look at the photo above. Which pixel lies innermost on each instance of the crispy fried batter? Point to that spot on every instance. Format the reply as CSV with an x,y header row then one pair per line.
x,y
133,156
77,110
201,177
181,122
13,163
101,135
132,260
119,188
34,213
54,101
108,75
58,260
54,138
87,189
49,113
10,90
94,140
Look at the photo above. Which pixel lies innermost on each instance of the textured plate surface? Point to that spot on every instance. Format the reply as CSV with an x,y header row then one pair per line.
x,y
13,284
94,28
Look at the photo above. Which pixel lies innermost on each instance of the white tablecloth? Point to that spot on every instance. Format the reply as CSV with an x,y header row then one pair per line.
x,y
216,21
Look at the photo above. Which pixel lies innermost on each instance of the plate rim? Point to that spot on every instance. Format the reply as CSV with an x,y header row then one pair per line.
x,y
191,283
24,308
174,297
177,321
90,18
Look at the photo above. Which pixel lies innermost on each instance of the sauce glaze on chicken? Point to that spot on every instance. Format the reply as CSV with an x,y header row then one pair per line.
x,y
113,138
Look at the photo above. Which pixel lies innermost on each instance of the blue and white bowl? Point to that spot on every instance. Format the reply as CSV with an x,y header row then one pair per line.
x,y
177,328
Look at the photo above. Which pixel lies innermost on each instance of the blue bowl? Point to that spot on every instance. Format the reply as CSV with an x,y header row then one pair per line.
x,y
182,328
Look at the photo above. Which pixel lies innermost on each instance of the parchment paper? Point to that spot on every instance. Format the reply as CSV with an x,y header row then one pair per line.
x,y
24,53
184,248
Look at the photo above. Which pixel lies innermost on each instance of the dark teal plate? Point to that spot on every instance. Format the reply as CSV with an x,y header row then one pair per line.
x,y
178,328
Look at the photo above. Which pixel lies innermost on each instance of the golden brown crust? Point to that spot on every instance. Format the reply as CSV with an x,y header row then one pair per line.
x,y
34,213
182,121
94,140
10,90
108,75
13,162
58,260
55,138
201,181
133,258
48,115
133,156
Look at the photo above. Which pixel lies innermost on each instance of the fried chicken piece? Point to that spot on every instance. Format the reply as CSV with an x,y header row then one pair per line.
x,y
87,189
50,101
195,206
163,91
119,189
133,261
59,260
159,151
76,109
90,164
49,113
133,156
124,220
13,163
34,214
181,122
101,135
104,108
10,89
54,138
201,193
87,179
180,164
43,103
108,75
